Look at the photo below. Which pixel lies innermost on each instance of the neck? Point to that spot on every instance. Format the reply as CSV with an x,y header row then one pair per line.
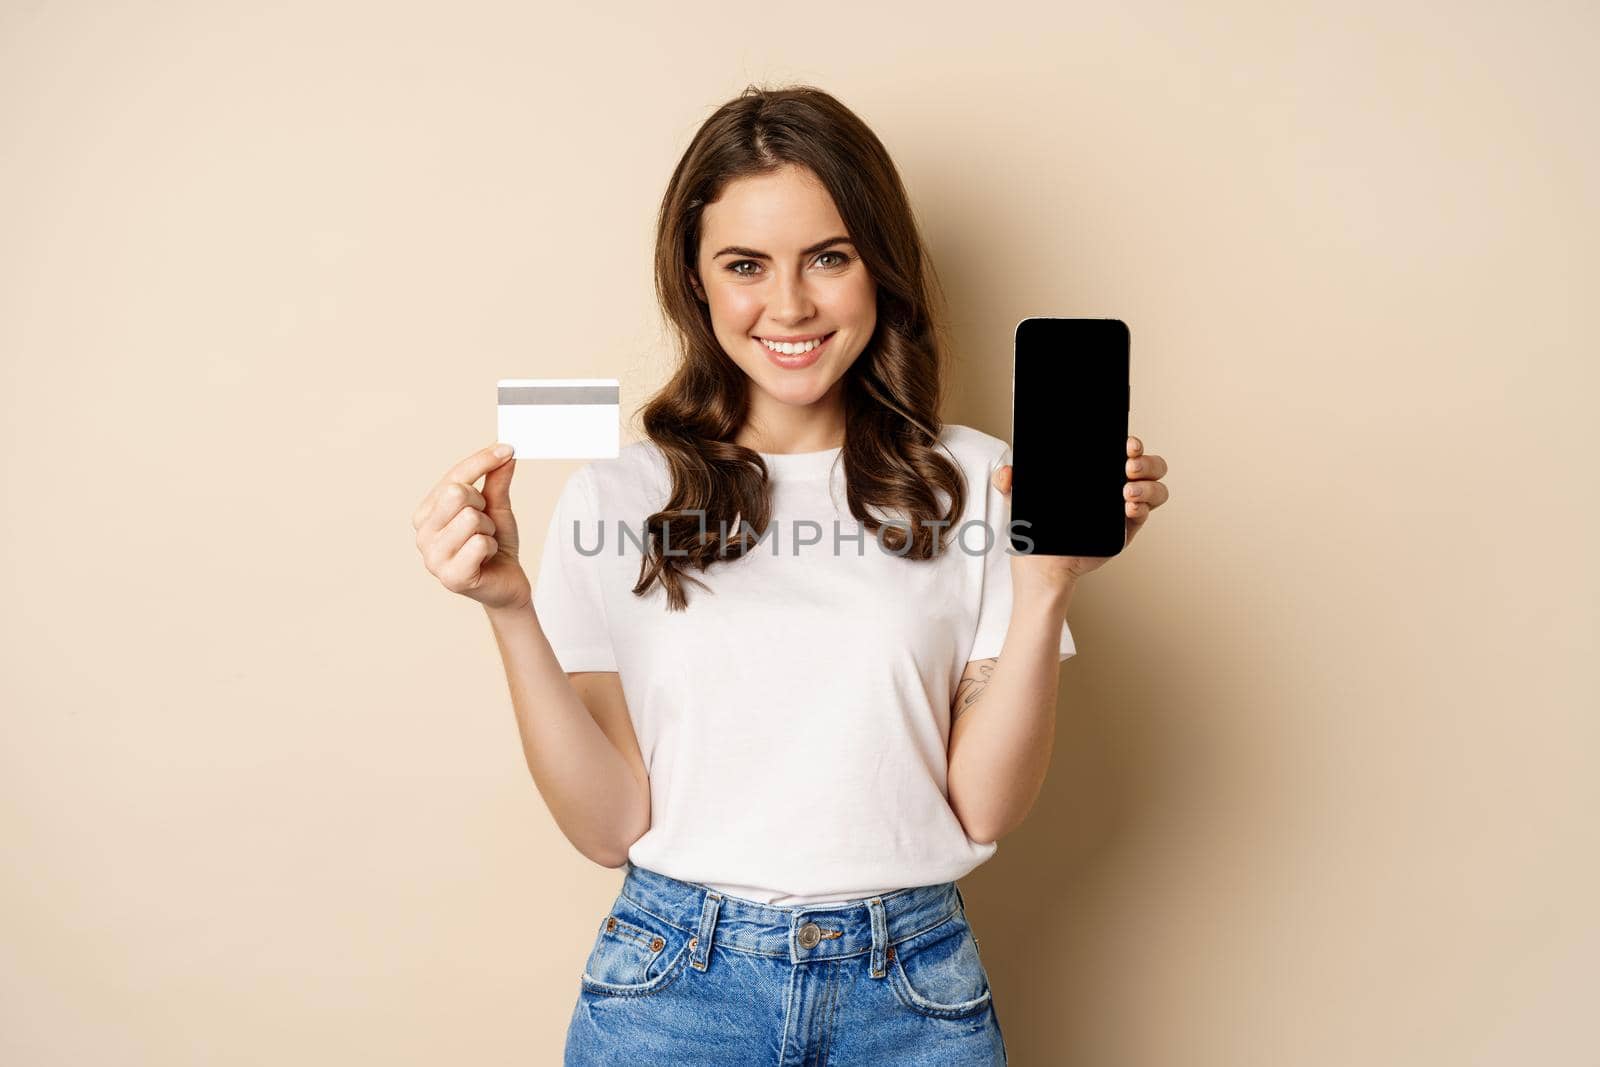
x,y
791,429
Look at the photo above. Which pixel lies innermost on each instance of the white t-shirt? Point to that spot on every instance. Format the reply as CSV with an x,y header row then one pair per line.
x,y
795,719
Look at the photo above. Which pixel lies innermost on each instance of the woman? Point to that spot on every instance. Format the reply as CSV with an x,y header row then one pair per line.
x,y
796,759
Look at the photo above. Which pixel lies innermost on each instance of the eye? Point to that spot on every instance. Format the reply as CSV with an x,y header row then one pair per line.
x,y
733,268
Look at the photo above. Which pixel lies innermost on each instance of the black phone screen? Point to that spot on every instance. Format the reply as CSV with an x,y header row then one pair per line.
x,y
1069,436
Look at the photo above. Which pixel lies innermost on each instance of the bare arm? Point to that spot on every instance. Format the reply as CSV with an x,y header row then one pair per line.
x,y
577,739
1003,722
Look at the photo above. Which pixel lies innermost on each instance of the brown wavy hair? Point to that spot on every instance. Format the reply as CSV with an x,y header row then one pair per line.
x,y
891,392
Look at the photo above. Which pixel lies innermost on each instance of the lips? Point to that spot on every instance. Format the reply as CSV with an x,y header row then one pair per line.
x,y
795,340
803,340
796,362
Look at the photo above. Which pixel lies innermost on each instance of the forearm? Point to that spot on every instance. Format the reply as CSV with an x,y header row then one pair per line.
x,y
1000,743
592,793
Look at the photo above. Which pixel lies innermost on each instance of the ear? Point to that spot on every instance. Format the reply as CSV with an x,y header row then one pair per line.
x,y
694,280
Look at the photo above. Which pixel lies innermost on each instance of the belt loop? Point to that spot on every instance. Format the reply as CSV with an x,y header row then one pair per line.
x,y
880,937
700,951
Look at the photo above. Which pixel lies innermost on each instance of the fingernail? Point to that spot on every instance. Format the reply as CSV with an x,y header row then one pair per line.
x,y
502,451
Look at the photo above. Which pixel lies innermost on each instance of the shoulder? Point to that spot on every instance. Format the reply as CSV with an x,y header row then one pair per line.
x,y
973,449
639,470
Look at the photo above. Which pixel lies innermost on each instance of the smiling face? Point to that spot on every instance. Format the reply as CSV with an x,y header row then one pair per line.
x,y
775,263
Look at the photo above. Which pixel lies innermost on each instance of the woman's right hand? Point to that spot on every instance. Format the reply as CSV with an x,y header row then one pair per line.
x,y
468,539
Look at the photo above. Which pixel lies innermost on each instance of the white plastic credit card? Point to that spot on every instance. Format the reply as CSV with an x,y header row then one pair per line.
x,y
559,418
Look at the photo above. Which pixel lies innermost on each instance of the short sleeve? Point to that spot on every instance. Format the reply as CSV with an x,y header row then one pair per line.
x,y
994,606
567,594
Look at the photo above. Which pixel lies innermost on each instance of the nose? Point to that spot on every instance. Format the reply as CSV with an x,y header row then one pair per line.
x,y
791,302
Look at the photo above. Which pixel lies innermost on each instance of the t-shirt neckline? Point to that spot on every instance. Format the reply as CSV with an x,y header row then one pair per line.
x,y
792,465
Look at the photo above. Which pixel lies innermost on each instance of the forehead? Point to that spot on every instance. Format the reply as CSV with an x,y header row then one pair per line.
x,y
779,212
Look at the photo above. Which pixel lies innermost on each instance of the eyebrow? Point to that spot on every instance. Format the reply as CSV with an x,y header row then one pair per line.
x,y
740,250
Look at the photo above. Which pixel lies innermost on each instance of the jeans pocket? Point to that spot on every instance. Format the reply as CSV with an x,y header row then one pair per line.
x,y
634,953
938,972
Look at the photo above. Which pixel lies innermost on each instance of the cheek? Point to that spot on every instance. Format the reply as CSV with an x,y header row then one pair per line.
x,y
735,307
861,298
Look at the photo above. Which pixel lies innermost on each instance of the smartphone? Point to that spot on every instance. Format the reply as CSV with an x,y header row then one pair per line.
x,y
1069,436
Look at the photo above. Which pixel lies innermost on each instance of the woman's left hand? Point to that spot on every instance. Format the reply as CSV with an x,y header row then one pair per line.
x,y
1142,493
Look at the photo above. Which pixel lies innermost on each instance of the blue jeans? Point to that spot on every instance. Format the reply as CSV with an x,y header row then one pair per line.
x,y
683,974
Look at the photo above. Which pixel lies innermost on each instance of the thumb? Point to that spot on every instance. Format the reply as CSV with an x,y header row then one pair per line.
x,y
497,487
1002,478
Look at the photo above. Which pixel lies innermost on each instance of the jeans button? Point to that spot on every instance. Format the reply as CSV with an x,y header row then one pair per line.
x,y
810,934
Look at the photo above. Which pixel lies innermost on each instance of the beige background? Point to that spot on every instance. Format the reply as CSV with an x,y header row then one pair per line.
x,y
1324,790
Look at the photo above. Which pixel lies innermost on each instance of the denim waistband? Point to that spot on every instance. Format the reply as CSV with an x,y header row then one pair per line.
x,y
803,932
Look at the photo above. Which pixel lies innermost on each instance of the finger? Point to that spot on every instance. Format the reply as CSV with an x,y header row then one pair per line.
x,y
452,498
1002,478
468,470
1136,512
1150,466
462,570
1145,492
1135,446
467,524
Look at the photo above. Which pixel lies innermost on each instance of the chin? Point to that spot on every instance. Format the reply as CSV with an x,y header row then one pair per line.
x,y
793,394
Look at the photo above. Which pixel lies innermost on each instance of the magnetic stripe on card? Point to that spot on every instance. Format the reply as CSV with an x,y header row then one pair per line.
x,y
559,394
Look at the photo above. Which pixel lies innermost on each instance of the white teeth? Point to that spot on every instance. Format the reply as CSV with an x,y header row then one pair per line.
x,y
787,349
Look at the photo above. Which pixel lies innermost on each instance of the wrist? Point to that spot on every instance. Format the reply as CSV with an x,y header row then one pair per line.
x,y
1051,602
510,613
